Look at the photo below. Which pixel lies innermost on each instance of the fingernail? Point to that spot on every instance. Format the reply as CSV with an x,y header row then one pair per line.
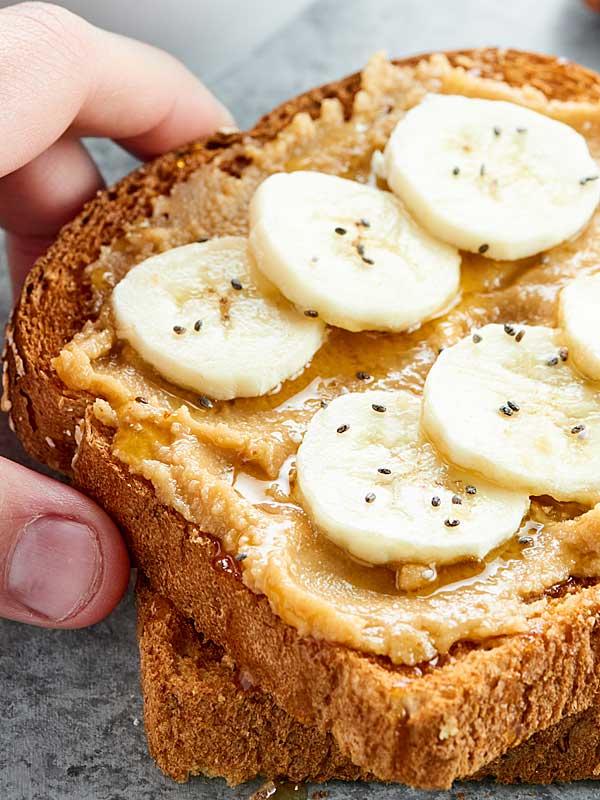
x,y
55,567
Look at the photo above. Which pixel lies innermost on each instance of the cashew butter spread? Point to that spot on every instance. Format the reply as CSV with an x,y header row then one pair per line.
x,y
229,466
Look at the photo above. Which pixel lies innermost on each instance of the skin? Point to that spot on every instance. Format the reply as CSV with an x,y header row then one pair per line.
x,y
63,563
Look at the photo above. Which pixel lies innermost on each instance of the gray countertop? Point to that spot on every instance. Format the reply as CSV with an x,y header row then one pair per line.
x,y
70,704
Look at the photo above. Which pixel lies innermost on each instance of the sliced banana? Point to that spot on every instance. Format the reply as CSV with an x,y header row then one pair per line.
x,y
349,252
579,313
492,177
506,403
206,319
373,486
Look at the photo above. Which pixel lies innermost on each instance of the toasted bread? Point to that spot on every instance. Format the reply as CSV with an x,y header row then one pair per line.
x,y
425,727
202,717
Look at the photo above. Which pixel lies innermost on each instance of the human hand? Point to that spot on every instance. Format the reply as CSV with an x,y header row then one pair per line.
x,y
63,563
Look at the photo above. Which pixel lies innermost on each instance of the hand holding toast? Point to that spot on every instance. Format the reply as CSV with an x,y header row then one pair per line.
x,y
62,561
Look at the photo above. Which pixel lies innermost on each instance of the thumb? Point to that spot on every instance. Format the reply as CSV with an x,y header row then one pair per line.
x,y
63,563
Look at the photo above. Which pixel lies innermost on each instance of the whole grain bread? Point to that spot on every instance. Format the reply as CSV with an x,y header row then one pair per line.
x,y
424,727
202,716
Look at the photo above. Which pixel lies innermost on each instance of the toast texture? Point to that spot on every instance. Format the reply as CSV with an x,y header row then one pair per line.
x,y
422,726
202,717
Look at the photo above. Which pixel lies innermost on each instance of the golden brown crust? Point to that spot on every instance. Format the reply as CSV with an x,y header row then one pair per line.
x,y
422,730
202,717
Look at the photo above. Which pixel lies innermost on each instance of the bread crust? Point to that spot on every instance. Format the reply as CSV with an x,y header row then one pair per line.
x,y
202,717
425,730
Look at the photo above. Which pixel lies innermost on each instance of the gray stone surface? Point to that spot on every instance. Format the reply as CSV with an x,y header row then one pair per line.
x,y
70,706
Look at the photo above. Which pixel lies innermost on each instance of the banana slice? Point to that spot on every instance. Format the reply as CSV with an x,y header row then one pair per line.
x,y
579,313
492,177
349,252
375,488
506,403
206,319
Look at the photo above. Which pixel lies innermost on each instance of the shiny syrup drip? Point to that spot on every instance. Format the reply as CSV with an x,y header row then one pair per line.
x,y
225,562
281,790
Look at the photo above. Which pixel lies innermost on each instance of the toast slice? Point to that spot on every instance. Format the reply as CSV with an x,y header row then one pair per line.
x,y
202,717
425,726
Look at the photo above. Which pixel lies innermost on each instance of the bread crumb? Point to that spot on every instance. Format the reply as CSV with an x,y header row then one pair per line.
x,y
448,729
267,790
5,403
136,722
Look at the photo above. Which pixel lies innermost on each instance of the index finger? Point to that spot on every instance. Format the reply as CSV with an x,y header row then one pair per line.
x,y
60,72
